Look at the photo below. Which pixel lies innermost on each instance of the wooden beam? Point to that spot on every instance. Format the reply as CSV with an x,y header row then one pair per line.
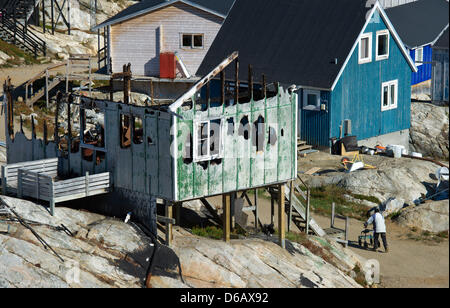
x,y
179,102
291,191
281,216
169,231
226,199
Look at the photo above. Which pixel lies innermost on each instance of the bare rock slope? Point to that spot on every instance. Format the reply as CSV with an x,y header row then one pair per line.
x,y
429,130
105,252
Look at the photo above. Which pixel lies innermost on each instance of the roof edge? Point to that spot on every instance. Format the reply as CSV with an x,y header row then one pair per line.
x,y
379,8
152,9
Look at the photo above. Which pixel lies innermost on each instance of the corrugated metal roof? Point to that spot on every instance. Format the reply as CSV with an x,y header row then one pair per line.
x,y
419,23
218,7
291,41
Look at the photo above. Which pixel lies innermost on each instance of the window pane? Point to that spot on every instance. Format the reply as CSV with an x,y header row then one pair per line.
x,y
187,40
215,137
312,100
198,40
365,48
393,93
419,55
382,45
385,96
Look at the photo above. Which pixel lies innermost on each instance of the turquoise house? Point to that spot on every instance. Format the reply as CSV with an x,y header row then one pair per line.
x,y
344,58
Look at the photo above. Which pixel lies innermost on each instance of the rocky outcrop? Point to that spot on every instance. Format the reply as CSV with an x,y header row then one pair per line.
x,y
403,179
256,263
105,252
4,58
431,217
429,130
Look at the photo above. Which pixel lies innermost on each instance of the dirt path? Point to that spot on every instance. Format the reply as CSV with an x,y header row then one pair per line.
x,y
409,263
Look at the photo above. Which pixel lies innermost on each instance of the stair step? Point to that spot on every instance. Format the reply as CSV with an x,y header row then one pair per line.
x,y
305,147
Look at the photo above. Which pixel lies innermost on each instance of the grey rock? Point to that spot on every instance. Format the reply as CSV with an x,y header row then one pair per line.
x,y
429,130
432,217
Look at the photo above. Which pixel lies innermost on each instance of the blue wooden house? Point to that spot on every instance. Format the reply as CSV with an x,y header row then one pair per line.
x,y
440,85
420,24
344,58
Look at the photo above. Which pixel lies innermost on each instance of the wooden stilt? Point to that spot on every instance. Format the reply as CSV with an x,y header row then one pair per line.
x,y
178,208
169,233
281,216
291,191
256,211
226,217
272,209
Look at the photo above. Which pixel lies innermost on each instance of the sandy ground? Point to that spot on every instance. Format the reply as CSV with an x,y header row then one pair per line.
x,y
409,263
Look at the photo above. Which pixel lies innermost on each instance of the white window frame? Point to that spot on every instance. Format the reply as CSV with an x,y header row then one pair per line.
x,y
386,56
417,61
196,140
192,42
391,105
362,60
307,92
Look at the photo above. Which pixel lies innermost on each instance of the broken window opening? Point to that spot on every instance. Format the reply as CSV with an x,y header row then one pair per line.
x,y
187,154
272,90
244,128
215,136
93,127
272,136
125,131
259,128
208,143
87,155
99,157
138,130
230,130
244,94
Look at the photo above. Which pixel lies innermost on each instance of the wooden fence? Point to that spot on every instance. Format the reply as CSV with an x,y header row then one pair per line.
x,y
37,180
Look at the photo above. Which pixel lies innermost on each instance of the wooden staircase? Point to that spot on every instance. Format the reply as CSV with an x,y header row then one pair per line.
x,y
14,16
297,208
303,148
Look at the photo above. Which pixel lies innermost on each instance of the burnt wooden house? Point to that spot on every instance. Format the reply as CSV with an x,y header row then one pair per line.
x,y
206,143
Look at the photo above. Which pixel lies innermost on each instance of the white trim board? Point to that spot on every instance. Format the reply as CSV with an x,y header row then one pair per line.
x,y
377,7
154,8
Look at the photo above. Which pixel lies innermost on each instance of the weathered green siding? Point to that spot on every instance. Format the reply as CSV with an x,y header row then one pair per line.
x,y
241,167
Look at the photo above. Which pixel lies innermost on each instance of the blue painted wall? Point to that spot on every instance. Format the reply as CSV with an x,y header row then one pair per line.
x,y
357,96
315,125
424,70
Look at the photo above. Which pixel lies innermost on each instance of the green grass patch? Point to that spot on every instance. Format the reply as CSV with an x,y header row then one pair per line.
x,y
16,53
216,233
323,197
367,198
209,232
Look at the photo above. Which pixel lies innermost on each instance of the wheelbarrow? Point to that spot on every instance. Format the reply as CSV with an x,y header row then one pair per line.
x,y
365,238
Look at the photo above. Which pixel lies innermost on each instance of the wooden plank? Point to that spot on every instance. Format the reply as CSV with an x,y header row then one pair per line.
x,y
80,195
226,199
78,186
312,171
82,191
169,234
165,220
281,216
33,163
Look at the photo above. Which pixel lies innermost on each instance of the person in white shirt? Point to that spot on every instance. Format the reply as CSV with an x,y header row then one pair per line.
x,y
379,226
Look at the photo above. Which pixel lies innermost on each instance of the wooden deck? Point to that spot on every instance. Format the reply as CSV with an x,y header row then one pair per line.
x,y
39,180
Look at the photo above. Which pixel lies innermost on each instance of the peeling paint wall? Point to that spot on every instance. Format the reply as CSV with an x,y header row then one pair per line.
x,y
242,166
